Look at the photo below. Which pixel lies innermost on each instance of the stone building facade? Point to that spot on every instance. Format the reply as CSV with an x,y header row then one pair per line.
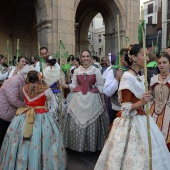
x,y
47,21
165,23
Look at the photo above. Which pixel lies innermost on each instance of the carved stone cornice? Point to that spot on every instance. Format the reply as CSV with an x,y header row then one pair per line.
x,y
45,24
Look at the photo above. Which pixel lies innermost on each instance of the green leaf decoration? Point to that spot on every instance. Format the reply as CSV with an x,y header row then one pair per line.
x,y
140,27
61,44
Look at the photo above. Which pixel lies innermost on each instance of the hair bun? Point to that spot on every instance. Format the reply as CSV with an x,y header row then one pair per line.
x,y
130,48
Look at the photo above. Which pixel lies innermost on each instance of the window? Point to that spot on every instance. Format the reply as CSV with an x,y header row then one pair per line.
x,y
168,12
92,24
168,34
92,48
100,51
99,38
89,37
150,20
150,8
92,35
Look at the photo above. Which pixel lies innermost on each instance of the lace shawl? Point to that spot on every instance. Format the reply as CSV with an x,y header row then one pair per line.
x,y
131,83
51,75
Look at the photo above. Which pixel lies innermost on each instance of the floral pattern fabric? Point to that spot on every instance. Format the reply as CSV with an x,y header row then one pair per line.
x,y
127,145
44,151
91,138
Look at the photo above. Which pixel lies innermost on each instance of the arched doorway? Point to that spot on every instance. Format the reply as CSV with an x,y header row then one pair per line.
x,y
84,18
128,15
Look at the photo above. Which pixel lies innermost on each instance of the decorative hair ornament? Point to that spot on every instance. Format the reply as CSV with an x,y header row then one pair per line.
x,y
130,48
130,57
51,57
124,54
128,53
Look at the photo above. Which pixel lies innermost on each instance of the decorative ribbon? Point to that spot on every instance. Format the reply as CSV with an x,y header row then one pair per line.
x,y
30,118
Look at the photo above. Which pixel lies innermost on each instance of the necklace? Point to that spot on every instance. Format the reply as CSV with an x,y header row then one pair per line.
x,y
136,74
133,71
164,76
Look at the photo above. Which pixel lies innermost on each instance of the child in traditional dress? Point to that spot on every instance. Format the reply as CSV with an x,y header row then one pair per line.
x,y
160,108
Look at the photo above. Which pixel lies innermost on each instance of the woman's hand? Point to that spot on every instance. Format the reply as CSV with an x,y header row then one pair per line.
x,y
147,97
104,106
119,74
63,84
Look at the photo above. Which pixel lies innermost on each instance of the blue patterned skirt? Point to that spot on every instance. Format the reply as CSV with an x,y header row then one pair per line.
x,y
44,151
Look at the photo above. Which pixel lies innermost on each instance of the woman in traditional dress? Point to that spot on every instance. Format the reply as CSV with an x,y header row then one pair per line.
x,y
86,124
33,139
21,63
127,145
52,78
160,85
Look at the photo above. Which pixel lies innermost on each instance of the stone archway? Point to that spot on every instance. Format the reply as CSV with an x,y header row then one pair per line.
x,y
28,21
18,22
129,18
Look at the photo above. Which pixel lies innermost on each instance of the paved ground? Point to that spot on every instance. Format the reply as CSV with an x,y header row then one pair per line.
x,y
81,161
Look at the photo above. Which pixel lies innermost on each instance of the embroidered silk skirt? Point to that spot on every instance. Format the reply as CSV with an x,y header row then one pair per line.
x,y
43,151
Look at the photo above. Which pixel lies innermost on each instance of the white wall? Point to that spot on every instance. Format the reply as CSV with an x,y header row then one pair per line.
x,y
155,10
97,29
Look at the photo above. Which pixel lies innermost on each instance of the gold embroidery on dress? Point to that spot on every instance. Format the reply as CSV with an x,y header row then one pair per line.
x,y
161,97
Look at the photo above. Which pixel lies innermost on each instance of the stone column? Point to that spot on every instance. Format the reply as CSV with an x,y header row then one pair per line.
x,y
84,45
132,20
63,17
44,30
109,43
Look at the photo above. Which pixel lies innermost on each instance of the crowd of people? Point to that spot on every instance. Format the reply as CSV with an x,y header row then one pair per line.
x,y
86,105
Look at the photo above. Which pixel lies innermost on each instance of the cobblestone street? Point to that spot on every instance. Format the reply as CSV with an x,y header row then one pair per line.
x,y
81,161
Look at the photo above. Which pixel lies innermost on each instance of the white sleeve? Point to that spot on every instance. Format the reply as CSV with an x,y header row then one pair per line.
x,y
99,81
104,76
74,83
111,84
57,66
3,76
11,73
37,66
51,101
126,107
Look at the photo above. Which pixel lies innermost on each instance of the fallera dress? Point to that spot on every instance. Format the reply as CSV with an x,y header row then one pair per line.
x,y
127,145
86,122
160,108
34,140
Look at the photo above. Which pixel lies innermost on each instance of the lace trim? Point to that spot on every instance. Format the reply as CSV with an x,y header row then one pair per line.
x,y
130,82
126,107
91,70
155,80
90,121
35,98
52,75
